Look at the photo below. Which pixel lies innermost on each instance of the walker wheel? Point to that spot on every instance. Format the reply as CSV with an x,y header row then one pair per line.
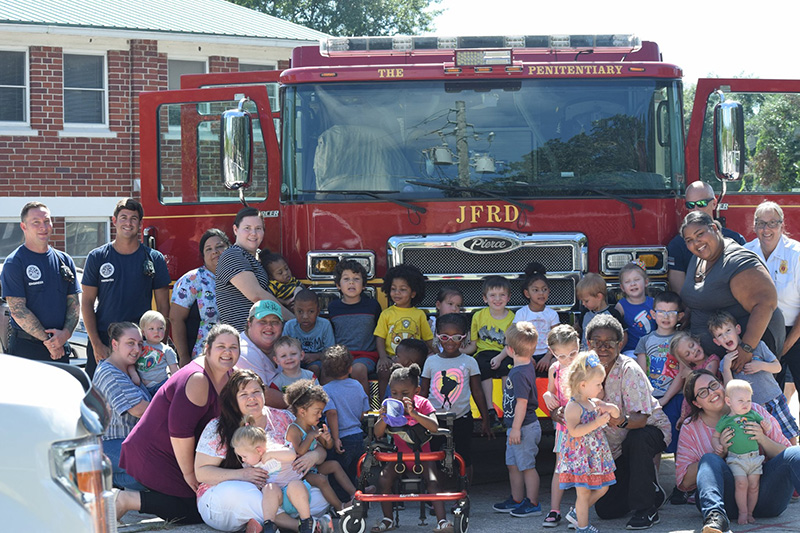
x,y
350,524
461,520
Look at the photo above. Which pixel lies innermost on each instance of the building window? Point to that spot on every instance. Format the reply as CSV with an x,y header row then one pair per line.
x,y
175,69
81,237
13,86
272,88
84,89
10,237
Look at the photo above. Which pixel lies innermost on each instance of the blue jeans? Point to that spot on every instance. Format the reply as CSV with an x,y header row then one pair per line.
x,y
353,450
121,479
715,489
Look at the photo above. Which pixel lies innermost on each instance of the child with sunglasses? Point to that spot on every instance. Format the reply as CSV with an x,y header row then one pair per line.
x,y
449,379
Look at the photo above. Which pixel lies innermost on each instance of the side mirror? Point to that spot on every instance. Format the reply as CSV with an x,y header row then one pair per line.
x,y
729,147
236,147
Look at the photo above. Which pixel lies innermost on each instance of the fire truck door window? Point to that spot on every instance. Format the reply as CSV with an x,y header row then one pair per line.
x,y
518,138
772,136
189,162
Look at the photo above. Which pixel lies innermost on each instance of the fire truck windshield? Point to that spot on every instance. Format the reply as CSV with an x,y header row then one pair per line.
x,y
518,138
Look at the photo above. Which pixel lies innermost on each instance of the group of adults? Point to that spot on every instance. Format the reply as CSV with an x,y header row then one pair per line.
x,y
758,283
151,441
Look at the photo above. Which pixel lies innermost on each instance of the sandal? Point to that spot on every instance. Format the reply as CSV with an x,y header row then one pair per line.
x,y
444,526
386,524
552,519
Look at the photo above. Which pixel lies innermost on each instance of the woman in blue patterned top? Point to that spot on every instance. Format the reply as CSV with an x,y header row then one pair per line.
x,y
197,286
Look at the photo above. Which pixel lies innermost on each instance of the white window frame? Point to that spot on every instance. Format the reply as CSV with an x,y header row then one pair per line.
x,y
174,132
104,220
8,220
23,128
87,129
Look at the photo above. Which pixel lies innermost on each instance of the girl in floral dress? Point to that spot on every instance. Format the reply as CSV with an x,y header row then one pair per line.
x,y
585,461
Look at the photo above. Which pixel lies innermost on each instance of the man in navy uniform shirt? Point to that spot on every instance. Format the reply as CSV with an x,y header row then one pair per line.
x,y
123,276
41,288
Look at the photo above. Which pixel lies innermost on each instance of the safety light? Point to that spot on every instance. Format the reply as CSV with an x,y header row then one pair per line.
x,y
401,43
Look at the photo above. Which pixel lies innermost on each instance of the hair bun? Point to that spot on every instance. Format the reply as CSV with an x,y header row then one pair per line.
x,y
535,269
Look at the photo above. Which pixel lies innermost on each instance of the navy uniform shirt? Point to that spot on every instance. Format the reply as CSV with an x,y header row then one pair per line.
x,y
38,278
124,291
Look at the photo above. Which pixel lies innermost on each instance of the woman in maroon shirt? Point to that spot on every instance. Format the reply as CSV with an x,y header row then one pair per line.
x,y
159,452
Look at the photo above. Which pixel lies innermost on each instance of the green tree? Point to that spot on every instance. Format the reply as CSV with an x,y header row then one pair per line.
x,y
353,17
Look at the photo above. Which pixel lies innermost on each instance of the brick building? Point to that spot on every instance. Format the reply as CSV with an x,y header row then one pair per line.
x,y
70,74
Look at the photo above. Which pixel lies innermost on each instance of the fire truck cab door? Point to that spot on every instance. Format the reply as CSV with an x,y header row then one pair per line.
x,y
181,179
772,154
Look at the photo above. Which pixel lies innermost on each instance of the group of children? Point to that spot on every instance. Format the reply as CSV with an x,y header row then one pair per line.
x,y
442,362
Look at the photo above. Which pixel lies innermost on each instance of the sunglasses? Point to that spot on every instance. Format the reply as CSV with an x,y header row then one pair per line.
x,y
444,337
772,224
603,345
705,391
699,203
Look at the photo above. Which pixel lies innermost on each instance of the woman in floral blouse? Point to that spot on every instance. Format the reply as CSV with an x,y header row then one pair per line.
x,y
197,286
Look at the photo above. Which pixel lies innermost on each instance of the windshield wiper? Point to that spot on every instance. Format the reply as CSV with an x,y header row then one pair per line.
x,y
621,199
378,195
474,190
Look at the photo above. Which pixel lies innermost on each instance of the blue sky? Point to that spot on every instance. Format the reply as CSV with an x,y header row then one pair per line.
x,y
699,36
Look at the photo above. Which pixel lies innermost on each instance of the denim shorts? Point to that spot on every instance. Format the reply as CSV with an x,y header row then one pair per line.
x,y
523,455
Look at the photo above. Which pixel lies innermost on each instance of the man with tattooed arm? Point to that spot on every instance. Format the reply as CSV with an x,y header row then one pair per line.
x,y
41,288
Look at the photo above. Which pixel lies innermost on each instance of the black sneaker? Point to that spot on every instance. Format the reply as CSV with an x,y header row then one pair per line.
x,y
678,497
716,522
644,519
306,525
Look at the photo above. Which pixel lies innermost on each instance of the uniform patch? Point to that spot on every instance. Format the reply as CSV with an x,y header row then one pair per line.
x,y
106,270
33,273
784,267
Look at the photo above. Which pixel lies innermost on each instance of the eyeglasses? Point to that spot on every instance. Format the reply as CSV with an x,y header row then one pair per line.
x,y
444,337
772,224
603,345
562,356
660,312
705,391
698,203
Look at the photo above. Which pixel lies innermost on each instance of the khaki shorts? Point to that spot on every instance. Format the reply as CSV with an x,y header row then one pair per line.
x,y
745,464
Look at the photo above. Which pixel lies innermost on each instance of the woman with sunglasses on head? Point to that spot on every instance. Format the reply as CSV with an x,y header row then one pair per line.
x,y
698,464
781,255
636,436
723,276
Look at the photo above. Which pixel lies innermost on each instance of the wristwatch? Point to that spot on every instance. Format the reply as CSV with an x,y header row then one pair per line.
x,y
746,347
624,423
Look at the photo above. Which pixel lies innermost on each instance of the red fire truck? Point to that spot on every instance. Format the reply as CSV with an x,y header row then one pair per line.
x,y
463,156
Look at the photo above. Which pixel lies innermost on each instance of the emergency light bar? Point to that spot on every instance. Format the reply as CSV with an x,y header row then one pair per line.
x,y
401,43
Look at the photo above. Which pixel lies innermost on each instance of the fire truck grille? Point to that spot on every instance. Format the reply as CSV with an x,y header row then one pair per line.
x,y
557,258
562,293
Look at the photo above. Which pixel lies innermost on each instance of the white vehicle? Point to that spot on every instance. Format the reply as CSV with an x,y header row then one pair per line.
x,y
53,474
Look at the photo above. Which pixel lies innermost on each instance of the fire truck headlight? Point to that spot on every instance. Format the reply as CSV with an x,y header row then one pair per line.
x,y
322,265
652,258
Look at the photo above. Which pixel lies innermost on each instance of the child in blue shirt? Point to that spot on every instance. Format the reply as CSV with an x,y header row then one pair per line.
x,y
350,402
636,307
314,333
